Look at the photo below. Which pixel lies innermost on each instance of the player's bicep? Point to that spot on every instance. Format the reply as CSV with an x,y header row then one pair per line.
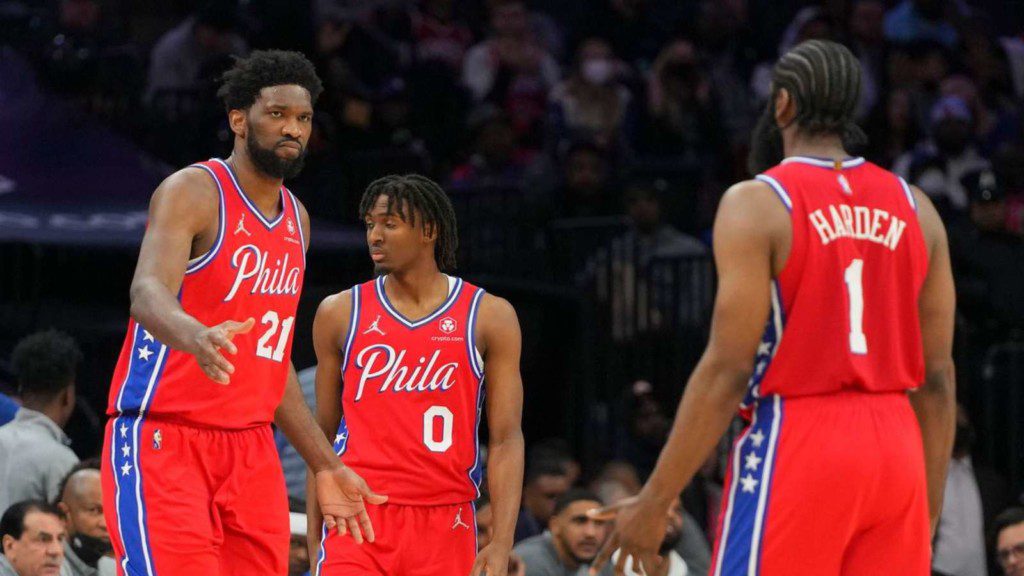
x,y
182,207
330,322
743,257
503,347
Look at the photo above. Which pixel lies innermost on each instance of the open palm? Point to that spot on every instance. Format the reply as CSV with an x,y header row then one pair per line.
x,y
342,495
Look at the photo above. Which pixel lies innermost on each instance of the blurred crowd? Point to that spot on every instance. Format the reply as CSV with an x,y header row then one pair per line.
x,y
637,111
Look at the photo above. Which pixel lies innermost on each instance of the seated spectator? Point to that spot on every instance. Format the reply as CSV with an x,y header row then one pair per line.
x,y
892,128
511,70
545,481
937,165
180,56
9,406
440,35
34,453
971,491
495,159
87,550
557,449
573,541
1009,541
485,531
298,551
586,181
32,536
681,117
592,102
917,20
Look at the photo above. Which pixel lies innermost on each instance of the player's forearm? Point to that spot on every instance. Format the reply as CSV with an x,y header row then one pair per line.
x,y
160,313
296,422
314,519
935,406
505,484
708,406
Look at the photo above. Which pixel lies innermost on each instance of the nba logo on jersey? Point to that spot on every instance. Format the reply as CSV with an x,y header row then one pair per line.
x,y
157,439
448,325
291,226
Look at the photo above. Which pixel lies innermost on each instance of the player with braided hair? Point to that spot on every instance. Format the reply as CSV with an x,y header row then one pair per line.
x,y
832,332
402,361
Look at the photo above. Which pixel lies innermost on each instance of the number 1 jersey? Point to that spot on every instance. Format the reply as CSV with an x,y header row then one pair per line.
x,y
254,269
412,397
844,312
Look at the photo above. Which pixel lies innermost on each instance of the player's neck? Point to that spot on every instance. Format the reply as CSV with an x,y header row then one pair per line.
x,y
416,286
264,190
818,146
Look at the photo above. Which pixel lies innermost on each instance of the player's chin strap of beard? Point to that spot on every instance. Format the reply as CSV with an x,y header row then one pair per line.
x,y
765,142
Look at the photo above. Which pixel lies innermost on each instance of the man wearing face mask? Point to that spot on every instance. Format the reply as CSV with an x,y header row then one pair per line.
x,y
88,542
591,102
937,165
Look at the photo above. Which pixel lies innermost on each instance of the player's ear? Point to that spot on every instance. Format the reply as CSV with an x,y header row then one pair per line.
x,y
237,122
429,232
785,107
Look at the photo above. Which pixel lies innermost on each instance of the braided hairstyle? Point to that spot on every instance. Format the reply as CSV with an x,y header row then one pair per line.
x,y
823,78
411,194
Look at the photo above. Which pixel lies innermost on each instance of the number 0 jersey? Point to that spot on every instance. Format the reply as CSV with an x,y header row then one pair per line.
x,y
412,397
254,269
844,310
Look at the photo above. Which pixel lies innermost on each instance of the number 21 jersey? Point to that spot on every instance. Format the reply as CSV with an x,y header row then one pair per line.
x,y
253,270
844,312
412,397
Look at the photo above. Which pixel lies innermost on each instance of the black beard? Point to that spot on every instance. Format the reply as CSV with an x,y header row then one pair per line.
x,y
268,162
765,143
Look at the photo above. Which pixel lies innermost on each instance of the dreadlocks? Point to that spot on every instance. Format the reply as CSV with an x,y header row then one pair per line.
x,y
823,79
413,194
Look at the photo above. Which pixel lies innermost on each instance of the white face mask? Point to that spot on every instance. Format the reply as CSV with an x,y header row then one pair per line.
x,y
597,70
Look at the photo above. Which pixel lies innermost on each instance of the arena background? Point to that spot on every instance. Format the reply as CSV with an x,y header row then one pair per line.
x,y
559,166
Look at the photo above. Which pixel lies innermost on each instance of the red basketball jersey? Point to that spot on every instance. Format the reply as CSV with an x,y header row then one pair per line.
x,y
412,397
844,309
254,269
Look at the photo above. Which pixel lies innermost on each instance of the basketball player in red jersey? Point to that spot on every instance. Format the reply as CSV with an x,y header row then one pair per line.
x,y
850,266
400,381
192,483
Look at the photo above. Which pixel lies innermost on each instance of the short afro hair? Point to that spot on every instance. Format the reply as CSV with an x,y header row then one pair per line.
x,y
45,363
241,85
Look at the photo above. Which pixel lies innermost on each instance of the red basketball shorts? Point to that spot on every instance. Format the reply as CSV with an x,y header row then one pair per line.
x,y
410,541
183,501
826,486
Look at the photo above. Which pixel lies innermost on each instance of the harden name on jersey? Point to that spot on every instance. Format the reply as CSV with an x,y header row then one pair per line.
x,y
859,223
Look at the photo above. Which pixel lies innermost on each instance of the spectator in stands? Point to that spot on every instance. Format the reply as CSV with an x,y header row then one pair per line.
x,y
557,449
298,551
9,406
892,127
32,536
180,56
917,20
494,159
572,542
586,178
992,126
485,531
87,550
511,70
868,43
937,165
440,34
34,453
681,119
646,427
1009,541
592,102
544,482
986,256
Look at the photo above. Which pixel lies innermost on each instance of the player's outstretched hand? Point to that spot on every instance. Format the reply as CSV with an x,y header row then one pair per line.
x,y
342,495
639,529
494,560
210,341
